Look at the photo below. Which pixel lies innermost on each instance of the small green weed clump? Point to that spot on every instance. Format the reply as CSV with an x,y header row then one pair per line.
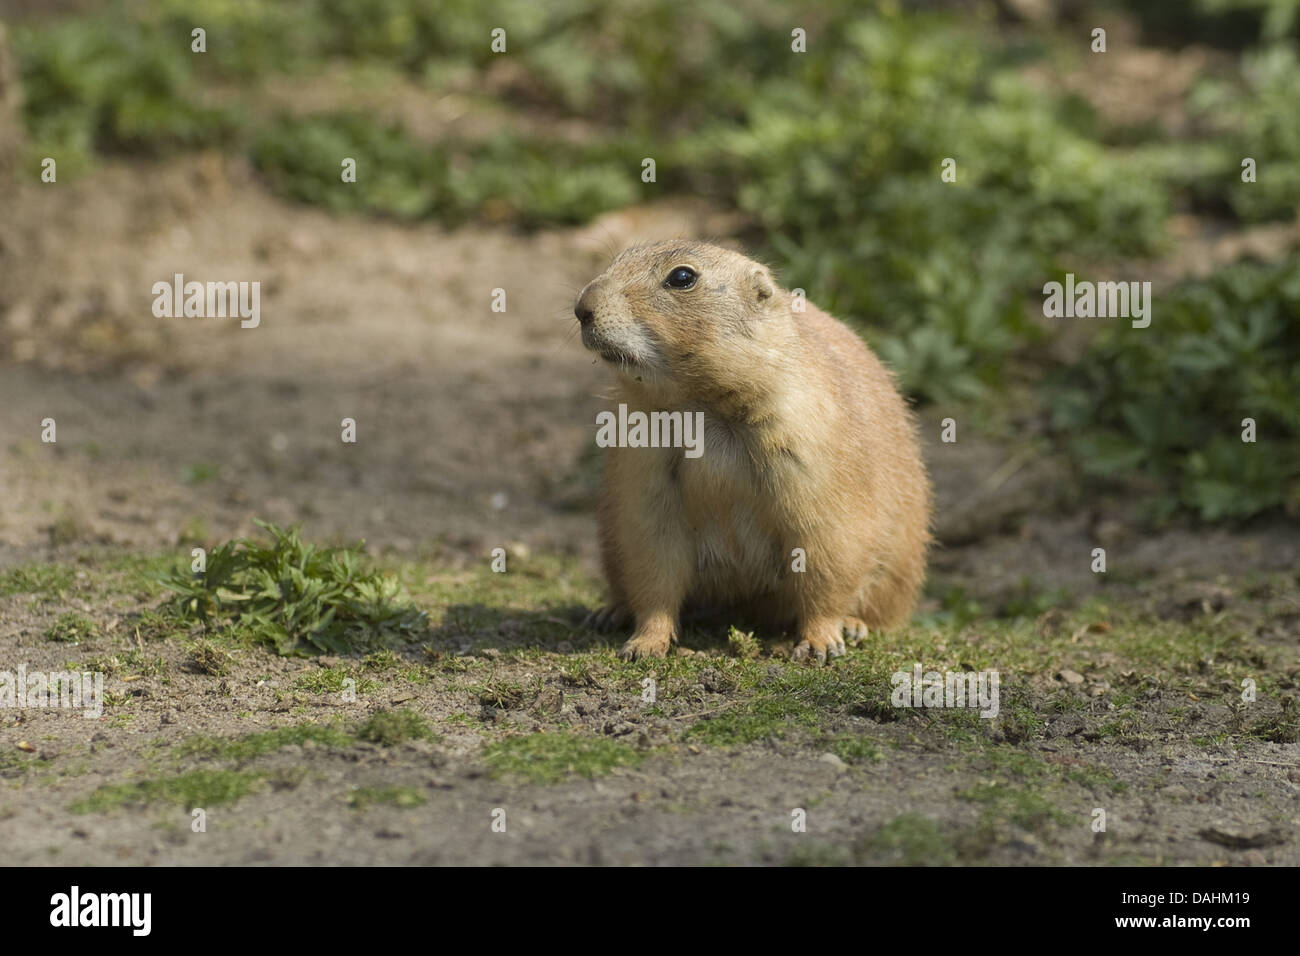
x,y
297,597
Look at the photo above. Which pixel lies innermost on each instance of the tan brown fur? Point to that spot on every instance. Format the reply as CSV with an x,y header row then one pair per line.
x,y
807,445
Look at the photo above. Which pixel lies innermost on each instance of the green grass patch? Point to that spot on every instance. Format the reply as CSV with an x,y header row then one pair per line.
x,y
531,605
194,789
250,746
50,581
154,624
1127,649
776,700
1019,788
130,573
552,757
132,662
389,728
909,839
501,693
853,748
72,628
388,662
1282,727
200,472
334,680
1015,804
15,763
207,658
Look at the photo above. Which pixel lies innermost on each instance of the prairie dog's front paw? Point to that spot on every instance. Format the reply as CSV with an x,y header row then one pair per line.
x,y
855,628
650,640
820,638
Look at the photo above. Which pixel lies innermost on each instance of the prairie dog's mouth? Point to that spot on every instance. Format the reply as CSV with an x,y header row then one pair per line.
x,y
617,356
628,348
607,350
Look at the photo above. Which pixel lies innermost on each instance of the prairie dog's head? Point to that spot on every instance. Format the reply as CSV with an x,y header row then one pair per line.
x,y
676,311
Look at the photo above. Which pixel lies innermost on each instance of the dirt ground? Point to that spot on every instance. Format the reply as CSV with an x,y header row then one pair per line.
x,y
474,431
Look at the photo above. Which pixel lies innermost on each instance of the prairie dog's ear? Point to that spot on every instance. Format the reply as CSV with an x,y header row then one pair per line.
x,y
761,285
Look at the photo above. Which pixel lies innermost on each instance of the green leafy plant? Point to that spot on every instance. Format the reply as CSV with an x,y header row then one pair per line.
x,y
295,596
1256,117
1166,404
528,182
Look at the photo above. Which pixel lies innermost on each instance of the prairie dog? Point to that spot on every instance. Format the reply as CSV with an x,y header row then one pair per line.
x,y
808,450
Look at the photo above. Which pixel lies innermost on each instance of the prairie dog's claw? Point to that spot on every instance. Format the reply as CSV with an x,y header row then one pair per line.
x,y
820,641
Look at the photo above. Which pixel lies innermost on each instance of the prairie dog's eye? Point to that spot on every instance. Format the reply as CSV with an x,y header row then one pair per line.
x,y
683,277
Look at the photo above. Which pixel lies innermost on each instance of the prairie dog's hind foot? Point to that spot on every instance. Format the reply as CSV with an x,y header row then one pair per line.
x,y
855,629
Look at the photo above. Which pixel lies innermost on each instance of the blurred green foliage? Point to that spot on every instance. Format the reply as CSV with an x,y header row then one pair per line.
x,y
503,178
841,164
1167,402
1251,115
110,86
1259,117
835,155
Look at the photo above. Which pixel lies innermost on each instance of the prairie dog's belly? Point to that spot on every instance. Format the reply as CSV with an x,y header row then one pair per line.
x,y
736,557
738,546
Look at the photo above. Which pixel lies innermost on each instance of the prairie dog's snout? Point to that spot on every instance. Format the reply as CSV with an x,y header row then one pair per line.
x,y
808,449
610,329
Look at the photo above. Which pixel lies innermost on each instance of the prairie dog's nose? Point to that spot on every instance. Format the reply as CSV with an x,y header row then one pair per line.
x,y
582,308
